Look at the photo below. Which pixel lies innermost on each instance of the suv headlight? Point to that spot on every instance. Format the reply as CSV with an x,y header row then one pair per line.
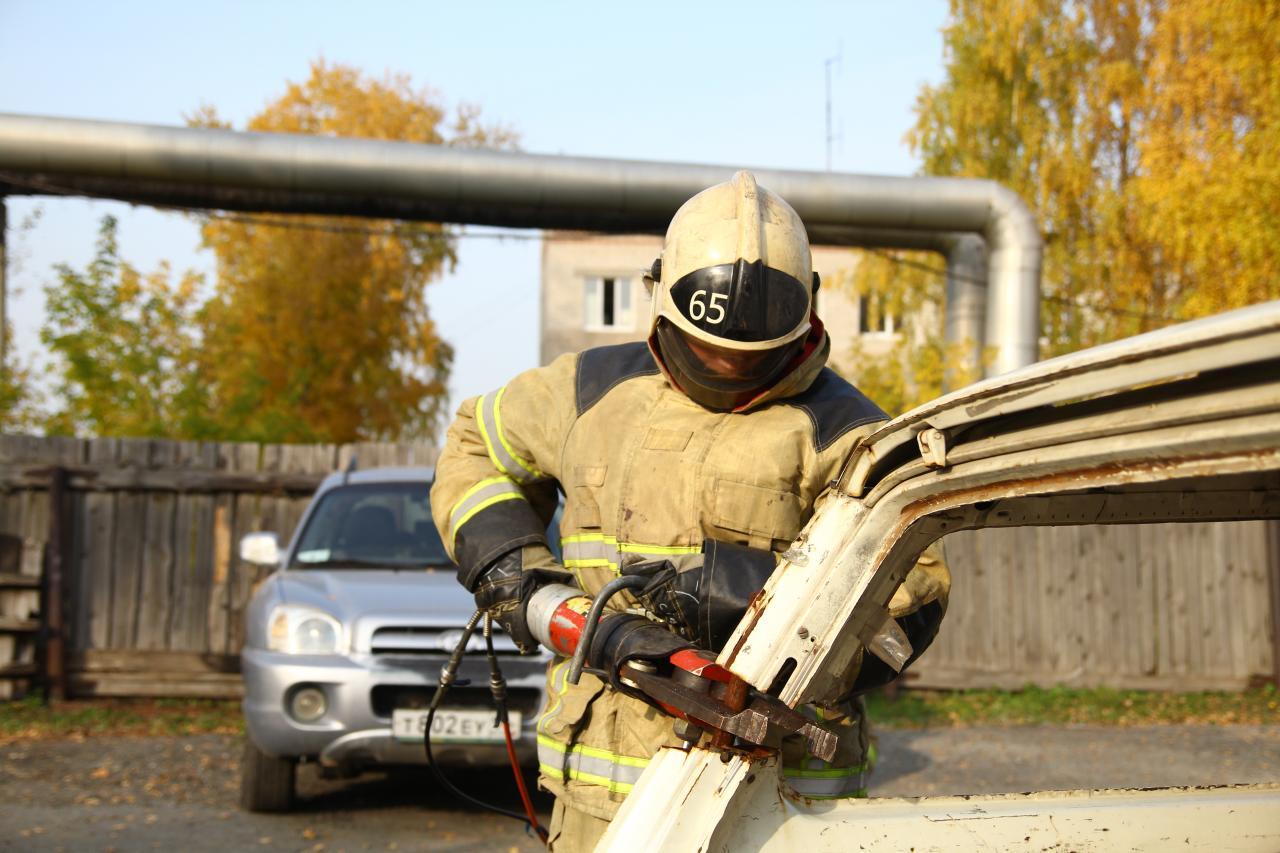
x,y
303,631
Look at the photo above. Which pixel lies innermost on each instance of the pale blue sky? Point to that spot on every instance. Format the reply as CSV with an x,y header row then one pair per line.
x,y
735,83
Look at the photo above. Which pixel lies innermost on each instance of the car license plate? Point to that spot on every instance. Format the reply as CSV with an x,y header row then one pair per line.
x,y
452,726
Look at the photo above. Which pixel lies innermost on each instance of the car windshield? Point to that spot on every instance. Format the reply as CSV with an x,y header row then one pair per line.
x,y
372,525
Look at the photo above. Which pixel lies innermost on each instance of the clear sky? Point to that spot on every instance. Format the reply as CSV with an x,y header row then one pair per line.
x,y
740,84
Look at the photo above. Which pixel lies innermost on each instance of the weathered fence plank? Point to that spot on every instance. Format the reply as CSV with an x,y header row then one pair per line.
x,y
1124,606
158,591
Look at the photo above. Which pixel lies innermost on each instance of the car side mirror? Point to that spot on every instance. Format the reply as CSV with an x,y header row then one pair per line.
x,y
261,549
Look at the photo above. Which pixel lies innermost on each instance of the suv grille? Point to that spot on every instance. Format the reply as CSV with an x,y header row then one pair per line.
x,y
386,698
410,640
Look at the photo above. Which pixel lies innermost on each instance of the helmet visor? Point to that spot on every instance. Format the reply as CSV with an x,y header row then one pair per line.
x,y
721,378
742,301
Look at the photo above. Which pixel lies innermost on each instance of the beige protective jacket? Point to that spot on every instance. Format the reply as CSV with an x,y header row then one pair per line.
x,y
646,473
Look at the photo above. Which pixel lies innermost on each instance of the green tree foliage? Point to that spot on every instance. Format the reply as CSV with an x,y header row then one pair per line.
x,y
1144,136
1143,133
318,329
921,365
17,397
124,345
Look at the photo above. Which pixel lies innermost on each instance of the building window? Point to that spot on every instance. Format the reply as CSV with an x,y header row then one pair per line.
x,y
874,317
608,304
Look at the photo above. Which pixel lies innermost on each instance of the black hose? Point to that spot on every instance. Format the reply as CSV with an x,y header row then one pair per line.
x,y
498,687
606,592
447,676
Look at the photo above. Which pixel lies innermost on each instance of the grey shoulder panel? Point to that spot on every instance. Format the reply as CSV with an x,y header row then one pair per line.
x,y
602,368
834,407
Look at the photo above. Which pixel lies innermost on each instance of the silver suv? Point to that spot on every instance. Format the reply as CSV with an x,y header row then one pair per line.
x,y
344,644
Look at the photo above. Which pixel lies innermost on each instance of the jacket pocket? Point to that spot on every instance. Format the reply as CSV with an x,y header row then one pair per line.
x,y
566,715
764,515
587,482
673,440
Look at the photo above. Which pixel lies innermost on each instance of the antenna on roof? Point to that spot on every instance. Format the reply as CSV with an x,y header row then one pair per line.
x,y
827,64
351,466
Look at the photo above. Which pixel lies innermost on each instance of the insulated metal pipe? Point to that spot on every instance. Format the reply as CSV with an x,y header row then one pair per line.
x,y
234,170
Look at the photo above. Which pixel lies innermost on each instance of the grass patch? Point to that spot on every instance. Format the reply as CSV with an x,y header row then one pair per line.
x,y
1063,706
30,719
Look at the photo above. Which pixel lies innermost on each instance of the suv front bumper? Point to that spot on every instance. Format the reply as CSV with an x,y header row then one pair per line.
x,y
355,729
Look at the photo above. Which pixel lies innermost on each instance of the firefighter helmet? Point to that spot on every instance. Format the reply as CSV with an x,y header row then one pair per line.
x,y
732,293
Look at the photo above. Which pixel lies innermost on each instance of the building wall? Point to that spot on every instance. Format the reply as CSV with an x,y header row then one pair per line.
x,y
570,259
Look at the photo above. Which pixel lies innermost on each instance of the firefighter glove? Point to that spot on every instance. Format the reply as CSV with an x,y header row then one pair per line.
x,y
705,603
505,586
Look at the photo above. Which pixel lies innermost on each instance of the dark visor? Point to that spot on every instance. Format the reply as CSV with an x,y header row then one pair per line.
x,y
742,301
718,378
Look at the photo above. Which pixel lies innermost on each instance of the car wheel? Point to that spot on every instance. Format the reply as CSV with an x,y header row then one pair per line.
x,y
266,783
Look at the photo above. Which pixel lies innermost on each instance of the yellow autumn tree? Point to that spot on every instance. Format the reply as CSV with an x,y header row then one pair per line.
x,y
1143,133
921,365
319,329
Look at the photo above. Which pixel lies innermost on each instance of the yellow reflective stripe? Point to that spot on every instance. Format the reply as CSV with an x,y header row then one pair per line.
x,y
856,794
594,752
597,550
489,481
588,537
485,493
485,504
607,766
633,548
497,419
557,671
500,453
481,406
613,786
832,773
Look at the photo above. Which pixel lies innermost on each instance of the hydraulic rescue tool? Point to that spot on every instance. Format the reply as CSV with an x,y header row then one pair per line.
x,y
688,684
685,682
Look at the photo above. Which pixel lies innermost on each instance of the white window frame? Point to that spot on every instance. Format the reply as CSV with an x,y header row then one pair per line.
x,y
888,322
624,303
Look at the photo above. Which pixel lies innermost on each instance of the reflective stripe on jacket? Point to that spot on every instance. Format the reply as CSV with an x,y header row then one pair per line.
x,y
646,473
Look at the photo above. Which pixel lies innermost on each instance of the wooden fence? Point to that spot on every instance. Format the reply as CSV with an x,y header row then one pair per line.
x,y
1159,606
152,589
143,551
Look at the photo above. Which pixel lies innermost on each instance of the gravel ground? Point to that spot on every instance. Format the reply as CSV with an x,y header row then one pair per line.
x,y
180,793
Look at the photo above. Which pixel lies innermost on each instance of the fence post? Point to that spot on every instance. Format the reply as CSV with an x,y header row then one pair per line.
x,y
1273,576
55,657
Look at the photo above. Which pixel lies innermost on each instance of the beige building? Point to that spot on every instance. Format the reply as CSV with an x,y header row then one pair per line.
x,y
593,294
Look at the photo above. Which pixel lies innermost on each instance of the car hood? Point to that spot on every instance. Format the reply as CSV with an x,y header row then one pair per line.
x,y
413,596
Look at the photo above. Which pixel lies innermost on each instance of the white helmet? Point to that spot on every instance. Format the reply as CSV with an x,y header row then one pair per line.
x,y
732,293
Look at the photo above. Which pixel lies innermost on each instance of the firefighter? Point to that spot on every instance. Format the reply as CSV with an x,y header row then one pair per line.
x,y
693,458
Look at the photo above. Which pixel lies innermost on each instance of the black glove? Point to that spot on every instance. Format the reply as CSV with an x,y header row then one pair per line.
x,y
706,603
624,637
504,587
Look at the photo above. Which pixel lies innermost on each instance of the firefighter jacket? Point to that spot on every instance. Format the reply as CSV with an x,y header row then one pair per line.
x,y
646,473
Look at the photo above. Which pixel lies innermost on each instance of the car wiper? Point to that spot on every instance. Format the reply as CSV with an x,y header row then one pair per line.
x,y
357,563
342,563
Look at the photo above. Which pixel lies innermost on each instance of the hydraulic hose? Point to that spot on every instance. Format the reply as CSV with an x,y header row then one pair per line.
x,y
447,676
498,687
607,592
